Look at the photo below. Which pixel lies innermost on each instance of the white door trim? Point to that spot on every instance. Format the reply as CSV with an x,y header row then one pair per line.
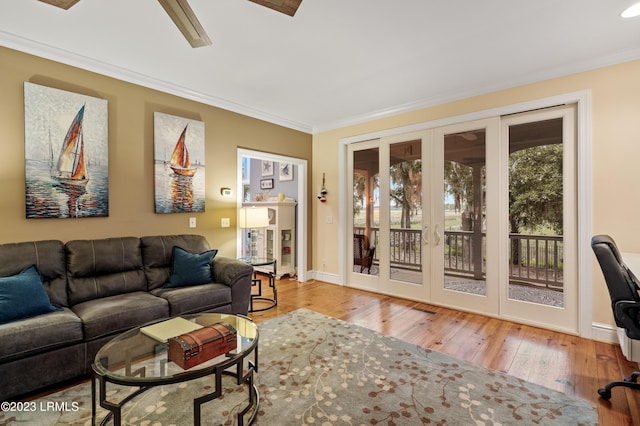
x,y
583,101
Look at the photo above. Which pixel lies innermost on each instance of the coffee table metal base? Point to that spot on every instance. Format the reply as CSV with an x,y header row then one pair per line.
x,y
115,409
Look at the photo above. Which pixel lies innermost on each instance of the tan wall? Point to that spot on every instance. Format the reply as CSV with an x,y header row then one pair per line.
x,y
615,153
131,188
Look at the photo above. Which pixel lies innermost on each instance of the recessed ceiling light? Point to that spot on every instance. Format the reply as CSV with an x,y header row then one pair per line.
x,y
631,11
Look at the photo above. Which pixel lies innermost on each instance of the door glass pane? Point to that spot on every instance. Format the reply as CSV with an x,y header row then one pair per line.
x,y
536,212
464,212
405,211
366,217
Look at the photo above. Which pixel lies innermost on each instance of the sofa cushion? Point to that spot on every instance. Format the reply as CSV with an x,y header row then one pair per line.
x,y
116,314
29,336
23,296
157,252
189,269
49,258
201,298
104,267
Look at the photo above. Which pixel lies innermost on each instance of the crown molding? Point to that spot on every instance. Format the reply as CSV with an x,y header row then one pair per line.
x,y
521,80
69,58
45,51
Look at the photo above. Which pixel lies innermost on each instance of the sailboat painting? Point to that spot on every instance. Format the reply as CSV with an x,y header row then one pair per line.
x,y
179,165
180,159
71,168
66,154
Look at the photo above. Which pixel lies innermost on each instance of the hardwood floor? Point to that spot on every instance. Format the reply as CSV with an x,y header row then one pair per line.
x,y
569,364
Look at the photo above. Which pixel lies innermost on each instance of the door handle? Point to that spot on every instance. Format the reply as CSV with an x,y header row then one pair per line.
x,y
437,235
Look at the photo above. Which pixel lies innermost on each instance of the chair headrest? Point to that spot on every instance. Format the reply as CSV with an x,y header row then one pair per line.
x,y
621,282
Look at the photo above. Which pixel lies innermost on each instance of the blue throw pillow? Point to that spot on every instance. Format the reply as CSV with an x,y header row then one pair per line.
x,y
23,296
190,269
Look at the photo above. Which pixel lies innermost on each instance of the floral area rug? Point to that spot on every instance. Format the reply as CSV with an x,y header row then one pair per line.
x,y
316,370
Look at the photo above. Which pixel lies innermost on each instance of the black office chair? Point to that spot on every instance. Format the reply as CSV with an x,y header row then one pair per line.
x,y
625,301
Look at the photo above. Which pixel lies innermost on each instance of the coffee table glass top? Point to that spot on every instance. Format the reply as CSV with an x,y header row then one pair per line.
x,y
136,357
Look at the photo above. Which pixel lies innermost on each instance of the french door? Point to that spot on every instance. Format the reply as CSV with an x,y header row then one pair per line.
x,y
538,233
468,171
479,216
391,218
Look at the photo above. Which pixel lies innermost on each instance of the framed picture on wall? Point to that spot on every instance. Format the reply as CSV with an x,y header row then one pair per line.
x,y
286,171
266,184
179,167
66,154
267,168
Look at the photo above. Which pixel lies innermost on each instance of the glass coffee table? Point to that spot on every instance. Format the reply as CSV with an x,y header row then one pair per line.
x,y
136,360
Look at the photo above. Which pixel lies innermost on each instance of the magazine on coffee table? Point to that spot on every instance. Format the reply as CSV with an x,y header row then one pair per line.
x,y
173,327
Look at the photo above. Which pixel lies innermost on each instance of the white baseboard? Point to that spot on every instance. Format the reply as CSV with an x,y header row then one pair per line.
x,y
604,333
630,348
324,276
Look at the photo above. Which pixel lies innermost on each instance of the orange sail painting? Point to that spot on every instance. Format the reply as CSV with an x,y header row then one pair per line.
x,y
66,154
179,164
180,161
71,168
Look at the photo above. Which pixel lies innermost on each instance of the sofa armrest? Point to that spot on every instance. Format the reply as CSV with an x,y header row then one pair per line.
x,y
237,275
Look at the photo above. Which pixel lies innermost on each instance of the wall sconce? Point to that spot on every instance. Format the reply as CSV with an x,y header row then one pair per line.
x,y
323,192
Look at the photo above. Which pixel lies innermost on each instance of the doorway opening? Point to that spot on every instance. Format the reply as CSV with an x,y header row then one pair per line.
x,y
282,175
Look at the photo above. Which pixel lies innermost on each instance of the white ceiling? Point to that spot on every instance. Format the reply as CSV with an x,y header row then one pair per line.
x,y
336,62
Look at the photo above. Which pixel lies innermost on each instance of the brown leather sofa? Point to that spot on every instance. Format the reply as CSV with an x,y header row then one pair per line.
x,y
104,287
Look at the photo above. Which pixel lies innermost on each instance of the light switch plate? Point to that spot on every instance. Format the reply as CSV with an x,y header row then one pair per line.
x,y
225,222
192,222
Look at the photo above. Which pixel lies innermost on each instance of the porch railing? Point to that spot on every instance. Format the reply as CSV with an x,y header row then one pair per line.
x,y
536,259
533,259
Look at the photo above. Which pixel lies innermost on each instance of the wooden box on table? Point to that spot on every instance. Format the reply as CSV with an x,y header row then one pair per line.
x,y
198,346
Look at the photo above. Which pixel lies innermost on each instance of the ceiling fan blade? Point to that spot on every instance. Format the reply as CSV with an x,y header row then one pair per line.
x,y
63,4
185,19
288,7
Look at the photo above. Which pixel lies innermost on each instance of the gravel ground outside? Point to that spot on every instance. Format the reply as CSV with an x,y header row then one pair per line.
x,y
527,293
523,292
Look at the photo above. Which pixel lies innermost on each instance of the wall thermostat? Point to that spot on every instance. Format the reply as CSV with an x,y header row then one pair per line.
x,y
226,192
